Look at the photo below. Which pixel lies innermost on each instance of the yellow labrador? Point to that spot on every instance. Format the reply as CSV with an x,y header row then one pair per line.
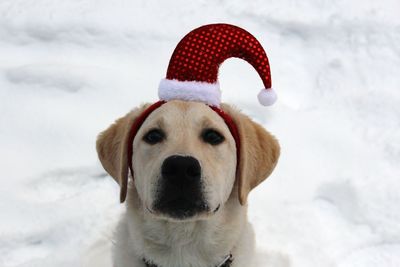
x,y
186,204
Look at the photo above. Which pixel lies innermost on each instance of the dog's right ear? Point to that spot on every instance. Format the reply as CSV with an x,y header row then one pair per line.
x,y
259,152
112,148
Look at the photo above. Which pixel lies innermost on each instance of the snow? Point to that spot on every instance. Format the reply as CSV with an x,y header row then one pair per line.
x,y
70,68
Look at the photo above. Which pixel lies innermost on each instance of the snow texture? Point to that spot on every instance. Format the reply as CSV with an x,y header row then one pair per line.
x,y
68,69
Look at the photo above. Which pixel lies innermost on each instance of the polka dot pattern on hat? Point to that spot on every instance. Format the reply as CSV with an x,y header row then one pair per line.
x,y
198,55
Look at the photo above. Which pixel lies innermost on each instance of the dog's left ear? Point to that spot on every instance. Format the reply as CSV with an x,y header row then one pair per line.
x,y
112,148
259,152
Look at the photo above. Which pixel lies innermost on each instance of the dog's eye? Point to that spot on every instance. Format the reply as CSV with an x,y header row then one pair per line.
x,y
154,136
212,137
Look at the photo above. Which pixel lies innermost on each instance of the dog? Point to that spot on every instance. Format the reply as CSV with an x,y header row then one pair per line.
x,y
186,202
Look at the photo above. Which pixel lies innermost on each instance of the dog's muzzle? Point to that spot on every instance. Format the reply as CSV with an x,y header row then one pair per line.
x,y
180,190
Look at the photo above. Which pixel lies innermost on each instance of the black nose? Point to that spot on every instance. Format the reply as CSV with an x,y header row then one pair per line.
x,y
180,170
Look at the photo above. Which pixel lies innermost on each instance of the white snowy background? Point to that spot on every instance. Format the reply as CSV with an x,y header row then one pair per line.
x,y
70,68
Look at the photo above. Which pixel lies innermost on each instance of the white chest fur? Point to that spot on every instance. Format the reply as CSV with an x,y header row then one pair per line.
x,y
202,243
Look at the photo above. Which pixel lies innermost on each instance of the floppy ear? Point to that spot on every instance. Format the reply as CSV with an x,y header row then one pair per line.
x,y
112,148
259,153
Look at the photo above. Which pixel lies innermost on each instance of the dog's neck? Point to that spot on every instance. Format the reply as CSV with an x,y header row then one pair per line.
x,y
201,243
225,263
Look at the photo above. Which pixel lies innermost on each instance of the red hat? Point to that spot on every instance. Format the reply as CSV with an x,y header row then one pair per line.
x,y
192,73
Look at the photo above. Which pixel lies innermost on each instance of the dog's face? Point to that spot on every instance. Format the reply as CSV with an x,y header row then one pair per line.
x,y
184,161
184,158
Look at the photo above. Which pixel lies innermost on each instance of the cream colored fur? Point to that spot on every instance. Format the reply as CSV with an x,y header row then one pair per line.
x,y
204,240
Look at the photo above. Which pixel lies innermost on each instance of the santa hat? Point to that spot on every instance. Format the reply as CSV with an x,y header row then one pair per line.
x,y
192,73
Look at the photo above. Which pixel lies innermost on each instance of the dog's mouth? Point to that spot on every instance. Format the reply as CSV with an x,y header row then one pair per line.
x,y
175,210
180,208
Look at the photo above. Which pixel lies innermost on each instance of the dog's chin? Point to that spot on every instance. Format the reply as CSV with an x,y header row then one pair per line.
x,y
181,210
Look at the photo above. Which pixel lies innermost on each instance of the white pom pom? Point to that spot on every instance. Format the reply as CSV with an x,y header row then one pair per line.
x,y
267,97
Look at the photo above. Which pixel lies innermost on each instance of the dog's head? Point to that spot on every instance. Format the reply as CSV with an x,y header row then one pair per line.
x,y
184,158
